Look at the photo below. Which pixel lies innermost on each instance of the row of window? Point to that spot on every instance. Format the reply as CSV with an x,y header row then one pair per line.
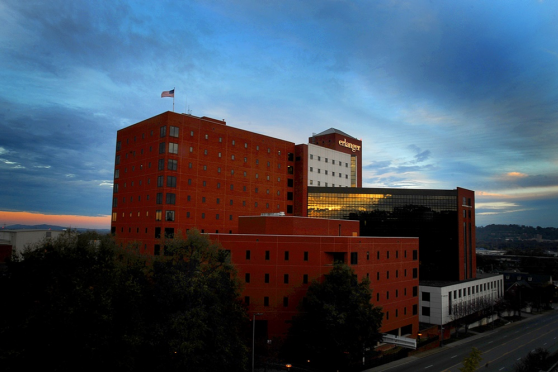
x,y
286,304
327,160
325,184
285,278
174,132
332,173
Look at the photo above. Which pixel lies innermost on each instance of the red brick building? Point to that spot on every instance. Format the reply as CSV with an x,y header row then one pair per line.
x,y
279,256
174,172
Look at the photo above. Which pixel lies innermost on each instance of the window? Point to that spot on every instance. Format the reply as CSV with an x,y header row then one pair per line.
x,y
415,273
267,255
173,131
247,277
173,148
266,301
285,301
354,258
171,181
415,255
247,300
305,279
172,164
159,181
169,216
162,148
171,198
426,311
426,296
117,173
247,254
305,256
159,198
266,278
415,309
286,278
415,291
286,255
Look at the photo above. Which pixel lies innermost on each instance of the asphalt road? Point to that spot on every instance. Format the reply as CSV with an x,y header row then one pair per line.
x,y
501,348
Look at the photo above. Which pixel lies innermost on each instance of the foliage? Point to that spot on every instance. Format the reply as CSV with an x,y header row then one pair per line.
x,y
533,362
336,321
471,362
70,304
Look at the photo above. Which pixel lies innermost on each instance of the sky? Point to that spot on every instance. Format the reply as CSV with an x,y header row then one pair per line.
x,y
443,94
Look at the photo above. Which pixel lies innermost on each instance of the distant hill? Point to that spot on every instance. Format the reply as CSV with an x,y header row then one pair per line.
x,y
515,232
53,227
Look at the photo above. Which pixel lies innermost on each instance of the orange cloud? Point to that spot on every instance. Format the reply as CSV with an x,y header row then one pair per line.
x,y
29,218
516,174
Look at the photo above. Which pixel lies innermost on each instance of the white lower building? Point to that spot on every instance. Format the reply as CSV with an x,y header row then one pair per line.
x,y
441,303
21,239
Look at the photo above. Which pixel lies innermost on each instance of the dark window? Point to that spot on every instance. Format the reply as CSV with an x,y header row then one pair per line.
x,y
415,273
172,164
169,232
162,148
247,300
173,131
305,279
415,254
171,181
415,291
426,296
159,198
118,145
157,233
266,278
267,255
426,311
161,164
266,301
415,309
305,256
171,198
163,131
286,255
247,255
160,181
285,301
354,258
286,278
247,277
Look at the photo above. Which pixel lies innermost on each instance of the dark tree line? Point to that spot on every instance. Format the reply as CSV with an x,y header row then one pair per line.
x,y
72,305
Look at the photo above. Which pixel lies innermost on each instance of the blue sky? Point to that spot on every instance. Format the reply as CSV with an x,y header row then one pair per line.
x,y
442,93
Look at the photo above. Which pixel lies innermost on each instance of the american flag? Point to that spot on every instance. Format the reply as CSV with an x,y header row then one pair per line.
x,y
167,93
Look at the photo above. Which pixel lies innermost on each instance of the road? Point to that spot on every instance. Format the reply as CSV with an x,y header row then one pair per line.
x,y
501,348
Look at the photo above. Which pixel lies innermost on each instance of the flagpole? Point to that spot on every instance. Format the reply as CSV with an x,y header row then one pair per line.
x,y
173,101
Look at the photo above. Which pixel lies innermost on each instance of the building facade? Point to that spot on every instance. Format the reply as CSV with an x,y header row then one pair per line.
x,y
443,220
279,257
175,172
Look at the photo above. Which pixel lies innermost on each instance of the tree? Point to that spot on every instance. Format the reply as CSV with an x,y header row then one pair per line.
x,y
199,315
471,362
533,362
336,321
74,304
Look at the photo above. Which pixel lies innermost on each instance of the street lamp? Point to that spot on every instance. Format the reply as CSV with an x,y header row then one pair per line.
x,y
254,335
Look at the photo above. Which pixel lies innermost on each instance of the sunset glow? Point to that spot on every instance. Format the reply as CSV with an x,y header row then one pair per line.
x,y
28,218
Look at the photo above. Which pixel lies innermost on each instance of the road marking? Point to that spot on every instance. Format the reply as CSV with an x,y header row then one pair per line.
x,y
491,342
518,358
501,368
544,343
429,366
453,356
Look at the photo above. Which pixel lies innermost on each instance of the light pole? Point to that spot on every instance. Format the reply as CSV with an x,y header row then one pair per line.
x,y
254,335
